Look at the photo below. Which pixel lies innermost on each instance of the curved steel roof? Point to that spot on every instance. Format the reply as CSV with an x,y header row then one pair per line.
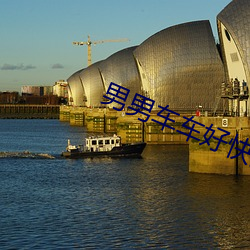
x,y
93,85
236,18
121,69
181,67
76,90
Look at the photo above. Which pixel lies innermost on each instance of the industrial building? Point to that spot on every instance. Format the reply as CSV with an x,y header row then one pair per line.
x,y
37,90
180,66
60,89
41,95
9,97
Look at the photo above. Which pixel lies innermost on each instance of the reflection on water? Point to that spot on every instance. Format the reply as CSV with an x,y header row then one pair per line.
x,y
224,201
107,203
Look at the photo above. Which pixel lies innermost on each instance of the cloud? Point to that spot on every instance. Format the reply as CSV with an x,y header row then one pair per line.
x,y
57,66
29,67
7,66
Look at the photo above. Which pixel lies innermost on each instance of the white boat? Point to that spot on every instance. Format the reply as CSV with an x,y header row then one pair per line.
x,y
103,146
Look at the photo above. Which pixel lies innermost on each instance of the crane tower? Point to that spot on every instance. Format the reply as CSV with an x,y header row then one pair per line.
x,y
89,43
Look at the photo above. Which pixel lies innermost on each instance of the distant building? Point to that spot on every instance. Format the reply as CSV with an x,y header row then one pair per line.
x,y
47,90
38,95
9,97
60,89
37,90
30,90
40,100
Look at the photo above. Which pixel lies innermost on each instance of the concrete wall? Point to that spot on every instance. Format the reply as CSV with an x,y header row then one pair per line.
x,y
203,160
127,126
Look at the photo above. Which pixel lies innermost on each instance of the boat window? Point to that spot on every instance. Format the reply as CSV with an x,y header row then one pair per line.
x,y
117,141
100,142
107,142
93,142
112,141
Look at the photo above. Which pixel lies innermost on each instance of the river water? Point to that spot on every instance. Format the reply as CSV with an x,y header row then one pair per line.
x,y
149,203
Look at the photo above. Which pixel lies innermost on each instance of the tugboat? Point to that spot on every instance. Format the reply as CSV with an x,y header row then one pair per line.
x,y
96,146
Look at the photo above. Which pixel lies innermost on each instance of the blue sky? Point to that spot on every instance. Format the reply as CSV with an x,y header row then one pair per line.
x,y
36,35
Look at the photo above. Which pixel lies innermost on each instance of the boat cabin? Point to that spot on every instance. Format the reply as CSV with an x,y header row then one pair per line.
x,y
104,143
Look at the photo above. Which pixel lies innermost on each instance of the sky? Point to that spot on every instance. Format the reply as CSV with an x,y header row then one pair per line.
x,y
36,35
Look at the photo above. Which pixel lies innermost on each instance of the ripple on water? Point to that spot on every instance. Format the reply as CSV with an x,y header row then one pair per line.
x,y
151,202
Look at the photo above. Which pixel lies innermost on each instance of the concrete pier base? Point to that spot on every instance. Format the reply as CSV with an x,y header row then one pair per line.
x,y
64,113
76,117
201,158
130,129
204,160
154,134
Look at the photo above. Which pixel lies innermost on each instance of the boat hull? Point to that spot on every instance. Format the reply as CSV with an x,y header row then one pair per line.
x,y
126,150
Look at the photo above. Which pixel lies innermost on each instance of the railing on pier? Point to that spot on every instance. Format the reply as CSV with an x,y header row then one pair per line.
x,y
25,111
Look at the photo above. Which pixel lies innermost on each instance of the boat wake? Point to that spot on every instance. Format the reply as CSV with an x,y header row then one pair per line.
x,y
26,154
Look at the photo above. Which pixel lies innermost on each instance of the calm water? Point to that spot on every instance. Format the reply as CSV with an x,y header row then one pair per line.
x,y
148,203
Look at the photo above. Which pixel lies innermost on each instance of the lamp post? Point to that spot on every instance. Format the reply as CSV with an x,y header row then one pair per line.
x,y
201,107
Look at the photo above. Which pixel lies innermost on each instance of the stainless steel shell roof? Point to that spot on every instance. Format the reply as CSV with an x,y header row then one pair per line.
x,y
181,67
121,69
76,90
236,18
93,85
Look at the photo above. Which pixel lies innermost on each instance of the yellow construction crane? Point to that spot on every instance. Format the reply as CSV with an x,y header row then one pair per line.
x,y
89,43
